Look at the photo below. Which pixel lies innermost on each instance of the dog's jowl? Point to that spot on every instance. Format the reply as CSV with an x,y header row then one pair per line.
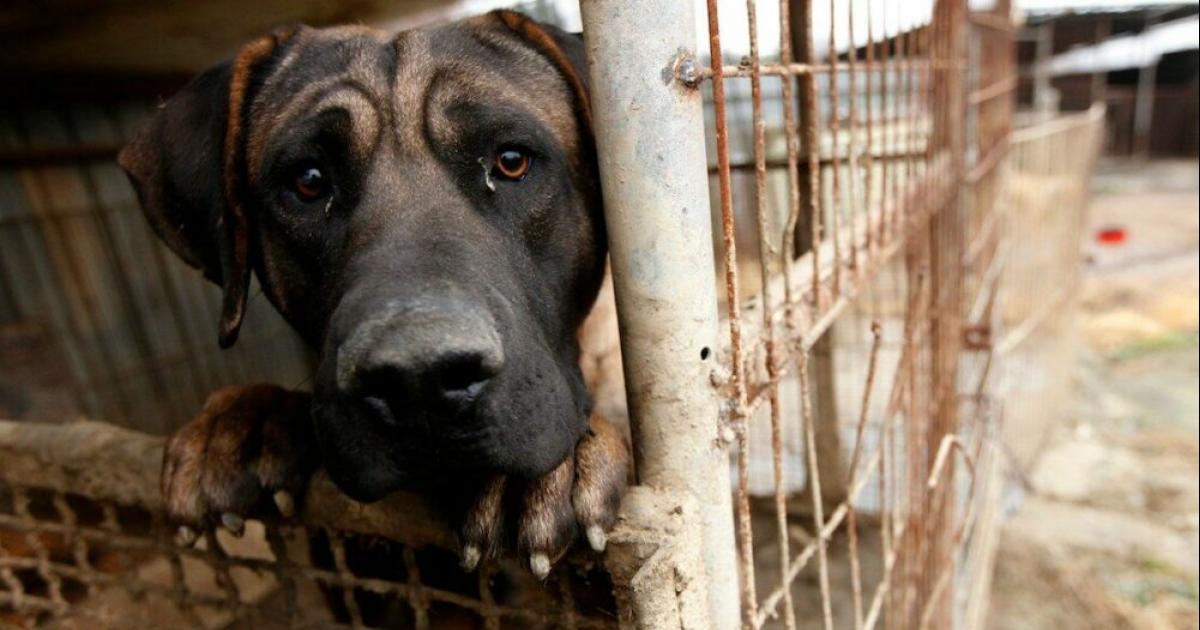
x,y
424,209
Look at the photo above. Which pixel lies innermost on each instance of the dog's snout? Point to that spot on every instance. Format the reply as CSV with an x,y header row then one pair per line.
x,y
444,352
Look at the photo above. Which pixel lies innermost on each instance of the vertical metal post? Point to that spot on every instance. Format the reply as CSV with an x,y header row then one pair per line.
x,y
649,121
1043,101
1103,30
946,235
1143,104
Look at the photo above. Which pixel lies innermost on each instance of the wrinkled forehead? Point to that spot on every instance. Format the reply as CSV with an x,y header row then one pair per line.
x,y
399,88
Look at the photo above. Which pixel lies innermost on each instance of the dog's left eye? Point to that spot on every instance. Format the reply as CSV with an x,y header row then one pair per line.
x,y
512,163
310,183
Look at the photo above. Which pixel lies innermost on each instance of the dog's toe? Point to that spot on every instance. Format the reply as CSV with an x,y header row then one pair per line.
x,y
483,524
547,525
602,466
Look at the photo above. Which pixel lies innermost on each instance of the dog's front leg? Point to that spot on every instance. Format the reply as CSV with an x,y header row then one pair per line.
x,y
581,495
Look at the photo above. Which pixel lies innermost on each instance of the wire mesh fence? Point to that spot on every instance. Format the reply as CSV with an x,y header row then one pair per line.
x,y
1044,208
872,256
853,394
1045,201
83,545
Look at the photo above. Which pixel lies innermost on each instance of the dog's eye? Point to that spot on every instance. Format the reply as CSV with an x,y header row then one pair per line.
x,y
512,163
310,183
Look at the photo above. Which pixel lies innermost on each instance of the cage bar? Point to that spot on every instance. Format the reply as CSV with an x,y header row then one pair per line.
x,y
648,120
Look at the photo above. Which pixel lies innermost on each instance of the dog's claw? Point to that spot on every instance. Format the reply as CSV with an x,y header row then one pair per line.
x,y
470,558
539,563
284,503
234,523
596,537
185,536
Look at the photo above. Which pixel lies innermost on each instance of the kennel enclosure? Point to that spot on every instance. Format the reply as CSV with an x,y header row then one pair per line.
x,y
823,265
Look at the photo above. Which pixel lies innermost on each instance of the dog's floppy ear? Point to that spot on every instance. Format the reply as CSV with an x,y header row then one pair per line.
x,y
187,167
564,50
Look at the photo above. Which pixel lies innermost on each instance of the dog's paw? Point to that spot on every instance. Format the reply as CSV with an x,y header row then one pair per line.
x,y
547,514
248,452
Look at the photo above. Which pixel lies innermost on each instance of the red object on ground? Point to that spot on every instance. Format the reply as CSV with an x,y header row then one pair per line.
x,y
1112,235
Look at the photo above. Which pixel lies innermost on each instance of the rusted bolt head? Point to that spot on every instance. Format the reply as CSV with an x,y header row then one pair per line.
x,y
687,70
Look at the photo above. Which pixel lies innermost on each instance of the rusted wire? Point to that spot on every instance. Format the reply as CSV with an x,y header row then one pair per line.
x,y
851,517
793,161
765,257
732,304
801,69
341,576
810,439
869,179
816,210
852,116
834,136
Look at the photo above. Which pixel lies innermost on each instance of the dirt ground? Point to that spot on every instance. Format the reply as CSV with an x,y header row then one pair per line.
x,y
1104,523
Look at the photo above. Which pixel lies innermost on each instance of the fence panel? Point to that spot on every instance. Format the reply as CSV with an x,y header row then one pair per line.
x,y
855,162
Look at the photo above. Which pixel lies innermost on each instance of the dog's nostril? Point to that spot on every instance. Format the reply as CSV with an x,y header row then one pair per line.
x,y
461,377
382,382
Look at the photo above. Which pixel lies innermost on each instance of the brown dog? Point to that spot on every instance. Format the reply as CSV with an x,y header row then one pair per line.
x,y
424,209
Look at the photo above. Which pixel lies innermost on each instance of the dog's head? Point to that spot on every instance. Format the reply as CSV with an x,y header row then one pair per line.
x,y
424,208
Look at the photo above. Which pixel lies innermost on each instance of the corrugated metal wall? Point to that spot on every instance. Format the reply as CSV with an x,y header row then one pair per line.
x,y
99,318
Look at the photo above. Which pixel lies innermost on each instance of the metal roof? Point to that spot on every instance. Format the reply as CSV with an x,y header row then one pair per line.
x,y
1130,51
1051,7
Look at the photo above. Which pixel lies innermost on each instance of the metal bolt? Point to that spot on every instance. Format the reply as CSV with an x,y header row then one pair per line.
x,y
687,70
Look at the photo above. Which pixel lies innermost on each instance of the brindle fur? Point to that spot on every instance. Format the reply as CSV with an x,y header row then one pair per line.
x,y
414,225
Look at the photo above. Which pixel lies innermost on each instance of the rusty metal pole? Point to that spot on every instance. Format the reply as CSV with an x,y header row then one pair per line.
x,y
649,125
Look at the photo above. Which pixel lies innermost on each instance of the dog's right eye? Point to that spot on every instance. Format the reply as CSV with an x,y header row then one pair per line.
x,y
310,183
512,163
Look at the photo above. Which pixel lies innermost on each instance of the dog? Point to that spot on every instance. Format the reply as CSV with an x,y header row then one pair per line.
x,y
424,209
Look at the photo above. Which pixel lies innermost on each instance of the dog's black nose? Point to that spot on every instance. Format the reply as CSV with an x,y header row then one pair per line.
x,y
439,354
